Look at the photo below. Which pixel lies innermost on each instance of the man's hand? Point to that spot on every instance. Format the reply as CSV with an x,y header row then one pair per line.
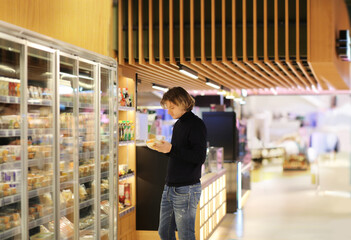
x,y
164,147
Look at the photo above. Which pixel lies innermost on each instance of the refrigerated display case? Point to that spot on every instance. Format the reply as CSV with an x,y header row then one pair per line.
x,y
58,139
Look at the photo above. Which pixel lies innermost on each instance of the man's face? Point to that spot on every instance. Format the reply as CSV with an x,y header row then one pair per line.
x,y
174,110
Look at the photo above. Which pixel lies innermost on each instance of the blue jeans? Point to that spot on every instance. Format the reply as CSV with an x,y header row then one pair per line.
x,y
178,211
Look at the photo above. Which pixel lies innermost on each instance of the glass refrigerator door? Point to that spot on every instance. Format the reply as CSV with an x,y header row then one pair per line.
x,y
68,146
106,146
87,149
10,136
40,143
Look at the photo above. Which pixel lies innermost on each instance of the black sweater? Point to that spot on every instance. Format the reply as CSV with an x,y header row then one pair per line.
x,y
188,151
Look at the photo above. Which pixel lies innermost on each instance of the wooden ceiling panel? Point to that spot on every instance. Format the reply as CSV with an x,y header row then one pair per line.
x,y
253,44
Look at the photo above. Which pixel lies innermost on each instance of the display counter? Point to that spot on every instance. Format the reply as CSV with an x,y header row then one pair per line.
x,y
151,173
212,205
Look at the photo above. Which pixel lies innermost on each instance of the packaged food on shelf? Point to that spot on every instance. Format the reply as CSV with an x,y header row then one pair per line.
x,y
126,130
10,122
46,199
66,228
122,169
86,170
105,206
121,196
36,92
127,193
124,194
36,211
67,197
89,234
4,87
104,186
83,194
86,221
105,166
8,88
43,236
124,97
39,120
9,218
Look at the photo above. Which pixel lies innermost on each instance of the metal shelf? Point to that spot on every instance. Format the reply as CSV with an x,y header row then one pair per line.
x,y
104,106
40,221
125,177
66,104
86,179
10,132
39,191
66,184
104,174
86,203
10,233
17,197
41,102
86,105
104,221
125,143
91,177
17,132
86,155
104,197
9,200
34,162
124,108
9,99
66,211
40,131
81,105
126,211
11,165
66,157
31,101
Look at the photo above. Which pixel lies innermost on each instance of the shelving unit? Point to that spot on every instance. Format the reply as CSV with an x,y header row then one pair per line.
x,y
57,157
126,158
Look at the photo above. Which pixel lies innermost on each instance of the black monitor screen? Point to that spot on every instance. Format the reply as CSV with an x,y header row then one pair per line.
x,y
221,132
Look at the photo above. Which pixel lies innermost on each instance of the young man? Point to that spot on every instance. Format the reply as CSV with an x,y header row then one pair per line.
x,y
187,152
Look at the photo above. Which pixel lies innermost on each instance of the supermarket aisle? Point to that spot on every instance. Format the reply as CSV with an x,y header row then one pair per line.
x,y
286,206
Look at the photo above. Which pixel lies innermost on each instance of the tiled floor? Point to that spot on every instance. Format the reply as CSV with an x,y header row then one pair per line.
x,y
286,206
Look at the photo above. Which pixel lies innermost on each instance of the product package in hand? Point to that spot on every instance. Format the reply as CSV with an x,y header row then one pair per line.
x,y
157,140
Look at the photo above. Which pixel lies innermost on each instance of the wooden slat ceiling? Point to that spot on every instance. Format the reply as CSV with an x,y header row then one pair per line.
x,y
252,44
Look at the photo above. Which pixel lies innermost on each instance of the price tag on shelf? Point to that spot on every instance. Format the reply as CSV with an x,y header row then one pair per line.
x,y
13,100
7,200
17,198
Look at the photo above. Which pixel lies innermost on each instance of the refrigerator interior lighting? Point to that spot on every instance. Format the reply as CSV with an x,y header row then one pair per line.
x,y
159,87
188,72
